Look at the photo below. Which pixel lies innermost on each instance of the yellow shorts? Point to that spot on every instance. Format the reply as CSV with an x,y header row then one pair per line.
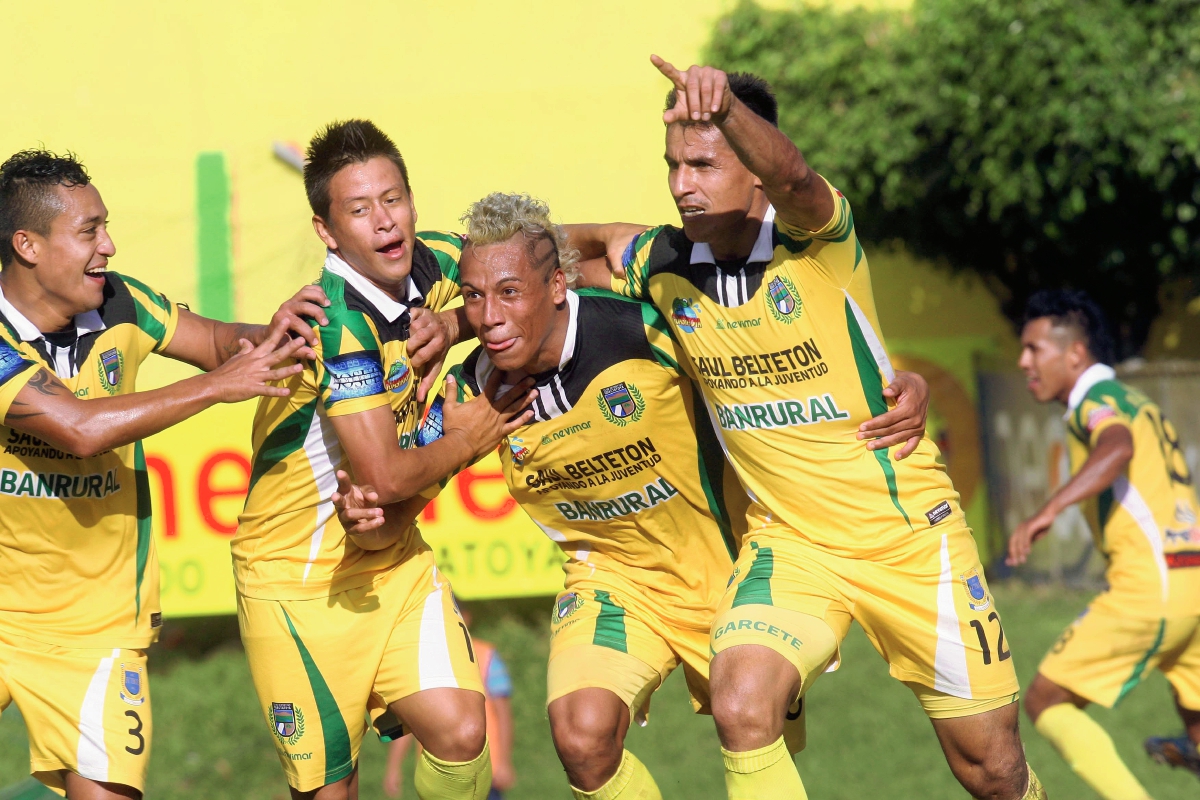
x,y
320,666
602,637
1102,657
925,608
86,710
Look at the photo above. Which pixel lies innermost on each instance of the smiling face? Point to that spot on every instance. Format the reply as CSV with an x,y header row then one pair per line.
x,y
69,262
1052,359
372,222
715,194
517,310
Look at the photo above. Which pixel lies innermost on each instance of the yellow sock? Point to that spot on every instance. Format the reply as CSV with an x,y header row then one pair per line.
x,y
764,774
1035,790
631,782
450,780
1089,750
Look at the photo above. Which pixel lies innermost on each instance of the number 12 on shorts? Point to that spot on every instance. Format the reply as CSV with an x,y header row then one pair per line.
x,y
981,632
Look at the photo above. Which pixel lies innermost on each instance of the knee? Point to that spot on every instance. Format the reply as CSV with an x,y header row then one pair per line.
x,y
998,775
586,736
463,740
746,720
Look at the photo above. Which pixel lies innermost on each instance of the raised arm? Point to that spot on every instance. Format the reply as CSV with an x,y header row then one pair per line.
x,y
47,409
799,195
1107,461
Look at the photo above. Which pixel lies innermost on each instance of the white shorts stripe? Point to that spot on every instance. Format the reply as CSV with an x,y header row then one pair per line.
x,y
950,660
435,671
91,756
1131,500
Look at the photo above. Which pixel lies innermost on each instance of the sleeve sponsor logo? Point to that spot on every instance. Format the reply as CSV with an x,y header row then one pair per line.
x,y
354,375
795,365
780,413
621,506
685,314
11,361
56,485
398,376
432,427
1098,415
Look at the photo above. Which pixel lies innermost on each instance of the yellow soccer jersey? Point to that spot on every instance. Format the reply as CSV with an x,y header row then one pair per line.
x,y
77,563
787,349
289,544
617,467
1145,523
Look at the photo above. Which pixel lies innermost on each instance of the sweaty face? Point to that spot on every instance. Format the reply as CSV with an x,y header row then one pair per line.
x,y
510,305
72,259
713,190
1048,359
372,222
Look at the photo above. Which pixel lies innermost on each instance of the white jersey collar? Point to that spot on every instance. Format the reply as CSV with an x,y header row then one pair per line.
x,y
385,305
87,322
764,245
1090,377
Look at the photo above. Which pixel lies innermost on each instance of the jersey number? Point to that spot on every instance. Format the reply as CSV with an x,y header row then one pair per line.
x,y
1168,440
1005,654
136,733
467,636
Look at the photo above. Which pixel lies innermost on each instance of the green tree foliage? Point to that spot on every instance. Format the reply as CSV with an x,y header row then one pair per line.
x,y
1040,143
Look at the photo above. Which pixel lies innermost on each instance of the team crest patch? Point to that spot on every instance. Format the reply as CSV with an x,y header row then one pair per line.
x,y
287,721
519,451
621,403
785,302
398,377
132,685
685,314
567,605
111,362
977,598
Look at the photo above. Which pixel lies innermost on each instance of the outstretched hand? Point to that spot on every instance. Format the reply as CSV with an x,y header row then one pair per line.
x,y
253,371
701,94
1028,532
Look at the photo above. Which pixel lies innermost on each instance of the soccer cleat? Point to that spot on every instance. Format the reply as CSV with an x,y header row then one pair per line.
x,y
1175,751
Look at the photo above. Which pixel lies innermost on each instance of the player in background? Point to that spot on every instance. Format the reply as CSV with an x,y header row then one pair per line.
x,y
79,585
497,690
621,467
768,291
1128,469
337,625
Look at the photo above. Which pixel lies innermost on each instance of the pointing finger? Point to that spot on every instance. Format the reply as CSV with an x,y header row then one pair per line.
x,y
668,69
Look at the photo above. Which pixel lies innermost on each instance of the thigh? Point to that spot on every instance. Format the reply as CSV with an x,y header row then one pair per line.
x,y
1181,663
312,663
928,611
87,711
1102,657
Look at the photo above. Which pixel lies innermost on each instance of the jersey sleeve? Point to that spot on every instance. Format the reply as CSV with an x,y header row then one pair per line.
x,y
447,249
349,367
432,426
157,317
497,682
636,263
834,249
1098,412
15,372
663,345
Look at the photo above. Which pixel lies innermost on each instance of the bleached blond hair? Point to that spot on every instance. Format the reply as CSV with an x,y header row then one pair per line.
x,y
499,217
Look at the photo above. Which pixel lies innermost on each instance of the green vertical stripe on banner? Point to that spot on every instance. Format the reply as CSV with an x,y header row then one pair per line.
x,y
214,241
333,726
141,481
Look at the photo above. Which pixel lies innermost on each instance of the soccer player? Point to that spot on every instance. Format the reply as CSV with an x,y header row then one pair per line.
x,y
335,625
1128,469
618,468
767,289
79,600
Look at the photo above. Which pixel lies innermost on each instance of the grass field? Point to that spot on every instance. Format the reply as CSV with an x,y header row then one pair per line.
x,y
867,735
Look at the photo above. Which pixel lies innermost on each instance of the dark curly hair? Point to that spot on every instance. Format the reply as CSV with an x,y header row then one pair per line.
x,y
1069,308
28,200
752,90
339,145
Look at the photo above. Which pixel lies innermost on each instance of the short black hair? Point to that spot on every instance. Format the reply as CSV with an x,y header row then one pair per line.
x,y
1069,308
338,145
753,91
28,200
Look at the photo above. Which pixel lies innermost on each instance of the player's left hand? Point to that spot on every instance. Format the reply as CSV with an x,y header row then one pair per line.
x,y
309,302
430,337
357,506
906,422
1028,532
701,94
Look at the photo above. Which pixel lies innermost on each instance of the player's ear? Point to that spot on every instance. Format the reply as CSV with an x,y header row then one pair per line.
x,y
27,246
558,286
323,232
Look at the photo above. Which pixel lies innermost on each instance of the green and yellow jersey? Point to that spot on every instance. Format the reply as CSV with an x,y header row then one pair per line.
x,y
787,349
77,563
289,544
620,465
1145,523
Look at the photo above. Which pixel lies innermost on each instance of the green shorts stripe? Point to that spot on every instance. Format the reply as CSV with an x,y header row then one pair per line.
x,y
610,624
1136,676
755,588
338,763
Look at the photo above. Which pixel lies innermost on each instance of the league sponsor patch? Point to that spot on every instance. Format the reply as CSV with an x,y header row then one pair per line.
x,y
621,403
977,598
111,362
11,361
938,513
398,376
287,721
354,375
1098,415
132,685
685,314
516,446
432,427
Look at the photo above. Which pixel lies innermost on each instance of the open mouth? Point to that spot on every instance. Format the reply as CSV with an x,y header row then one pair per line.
x,y
96,273
690,212
392,250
